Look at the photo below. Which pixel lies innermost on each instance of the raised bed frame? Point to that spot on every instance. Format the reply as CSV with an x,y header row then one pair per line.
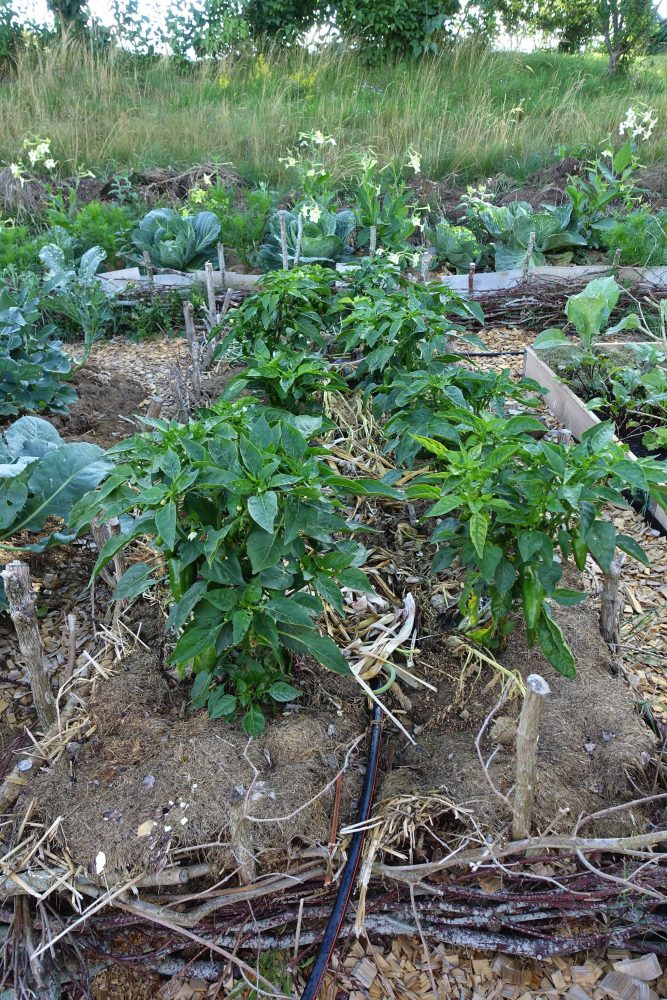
x,y
571,411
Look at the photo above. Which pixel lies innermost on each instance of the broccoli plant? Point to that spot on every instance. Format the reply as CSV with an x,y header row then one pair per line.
x,y
34,368
175,242
238,505
76,293
313,236
513,508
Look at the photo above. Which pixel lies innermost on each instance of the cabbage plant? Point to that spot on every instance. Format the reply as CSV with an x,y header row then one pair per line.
x,y
454,246
175,242
324,238
510,228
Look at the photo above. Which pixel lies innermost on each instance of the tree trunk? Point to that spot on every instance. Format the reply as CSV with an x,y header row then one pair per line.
x,y
18,588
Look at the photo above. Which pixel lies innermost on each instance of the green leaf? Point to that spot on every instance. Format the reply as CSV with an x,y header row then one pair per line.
x,y
263,509
601,541
134,581
329,591
479,526
632,548
180,611
221,705
194,641
321,647
289,610
356,579
568,598
253,721
264,549
240,624
553,645
282,692
165,522
505,576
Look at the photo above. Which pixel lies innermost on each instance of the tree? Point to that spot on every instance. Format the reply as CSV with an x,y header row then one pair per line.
x,y
627,28
281,20
70,15
395,27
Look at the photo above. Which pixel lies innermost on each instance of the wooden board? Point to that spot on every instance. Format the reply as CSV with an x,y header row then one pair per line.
x,y
571,411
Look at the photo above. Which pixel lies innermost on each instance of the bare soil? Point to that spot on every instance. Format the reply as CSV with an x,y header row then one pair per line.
x,y
105,405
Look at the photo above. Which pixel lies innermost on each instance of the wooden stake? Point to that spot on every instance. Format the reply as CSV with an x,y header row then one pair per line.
x,y
70,621
471,279
527,738
425,266
191,335
529,254
154,407
372,241
299,238
611,604
149,270
210,294
21,599
283,241
221,264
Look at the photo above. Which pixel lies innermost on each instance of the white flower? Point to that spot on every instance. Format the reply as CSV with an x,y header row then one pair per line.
x,y
313,213
394,258
192,536
318,138
608,152
417,222
289,161
15,170
33,156
416,259
50,164
414,160
310,173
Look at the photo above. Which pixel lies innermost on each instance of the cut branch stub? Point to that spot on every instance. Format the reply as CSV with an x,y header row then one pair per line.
x,y
611,604
527,739
21,600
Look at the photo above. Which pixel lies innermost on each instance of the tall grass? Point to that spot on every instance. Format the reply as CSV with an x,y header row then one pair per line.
x,y
472,112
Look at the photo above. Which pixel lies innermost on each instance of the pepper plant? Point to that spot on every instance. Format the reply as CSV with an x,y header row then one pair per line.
x,y
290,309
513,508
427,402
246,515
293,379
403,328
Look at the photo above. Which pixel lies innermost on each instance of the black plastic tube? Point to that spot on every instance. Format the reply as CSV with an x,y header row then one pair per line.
x,y
342,900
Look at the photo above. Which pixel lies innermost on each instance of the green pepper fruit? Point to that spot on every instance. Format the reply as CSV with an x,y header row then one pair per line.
x,y
579,549
181,577
532,595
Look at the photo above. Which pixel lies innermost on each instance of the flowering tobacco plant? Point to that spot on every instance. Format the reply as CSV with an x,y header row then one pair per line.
x,y
249,522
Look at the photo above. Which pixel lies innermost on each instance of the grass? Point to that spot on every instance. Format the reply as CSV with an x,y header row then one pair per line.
x,y
470,113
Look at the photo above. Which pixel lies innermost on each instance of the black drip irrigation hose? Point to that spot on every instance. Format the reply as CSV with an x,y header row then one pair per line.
x,y
332,929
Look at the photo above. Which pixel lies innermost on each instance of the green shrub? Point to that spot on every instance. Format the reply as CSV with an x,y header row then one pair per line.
x,y
18,249
291,379
394,27
289,310
641,239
